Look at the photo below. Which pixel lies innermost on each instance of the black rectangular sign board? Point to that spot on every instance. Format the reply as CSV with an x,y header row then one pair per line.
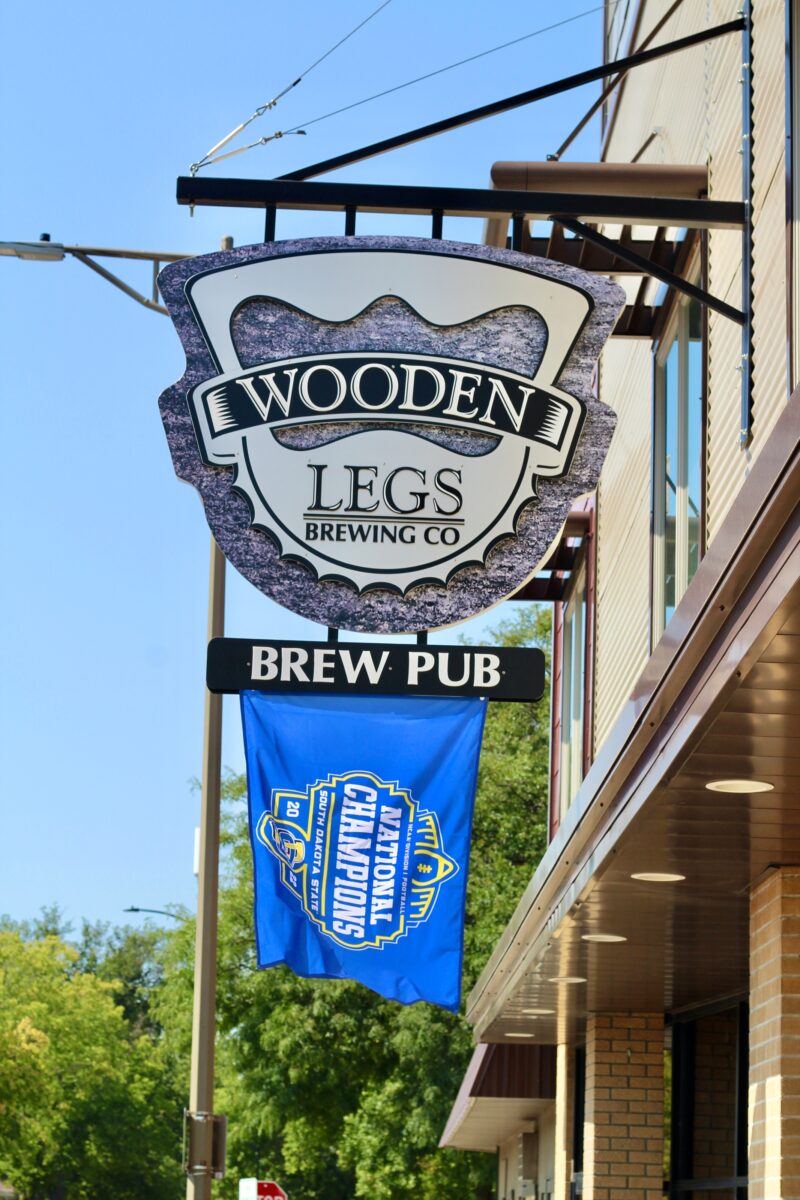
x,y
375,668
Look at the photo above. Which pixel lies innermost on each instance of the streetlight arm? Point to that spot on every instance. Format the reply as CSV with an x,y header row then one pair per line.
x,y
161,911
46,251
118,283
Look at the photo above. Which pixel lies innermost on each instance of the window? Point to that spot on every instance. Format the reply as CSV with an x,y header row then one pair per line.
x,y
677,461
573,582
620,16
619,21
709,1105
573,690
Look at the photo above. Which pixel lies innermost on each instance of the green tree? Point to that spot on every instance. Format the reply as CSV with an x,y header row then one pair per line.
x,y
327,1087
390,1142
131,961
86,1109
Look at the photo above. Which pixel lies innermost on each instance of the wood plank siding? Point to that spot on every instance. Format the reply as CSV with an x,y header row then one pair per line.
x,y
623,533
770,385
693,101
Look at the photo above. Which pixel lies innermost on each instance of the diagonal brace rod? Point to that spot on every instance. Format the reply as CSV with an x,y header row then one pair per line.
x,y
651,268
612,86
510,102
117,282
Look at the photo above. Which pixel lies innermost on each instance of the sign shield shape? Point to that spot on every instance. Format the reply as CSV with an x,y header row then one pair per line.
x,y
394,415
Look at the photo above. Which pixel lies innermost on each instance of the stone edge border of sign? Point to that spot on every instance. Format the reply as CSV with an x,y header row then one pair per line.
x,y
473,589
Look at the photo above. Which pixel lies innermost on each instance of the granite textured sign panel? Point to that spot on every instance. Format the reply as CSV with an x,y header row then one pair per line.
x,y
387,433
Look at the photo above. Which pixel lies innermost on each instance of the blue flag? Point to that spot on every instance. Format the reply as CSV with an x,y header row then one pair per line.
x,y
360,821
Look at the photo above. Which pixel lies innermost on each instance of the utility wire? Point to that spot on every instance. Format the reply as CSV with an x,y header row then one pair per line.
x,y
212,154
304,125
451,67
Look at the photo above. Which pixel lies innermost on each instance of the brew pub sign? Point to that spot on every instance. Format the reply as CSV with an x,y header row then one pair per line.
x,y
387,434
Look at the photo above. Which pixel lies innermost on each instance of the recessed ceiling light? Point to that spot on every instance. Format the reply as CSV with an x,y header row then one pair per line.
x,y
538,1012
567,979
739,785
521,1035
603,937
657,877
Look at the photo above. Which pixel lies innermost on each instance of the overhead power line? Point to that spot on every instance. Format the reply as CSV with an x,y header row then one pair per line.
x,y
212,155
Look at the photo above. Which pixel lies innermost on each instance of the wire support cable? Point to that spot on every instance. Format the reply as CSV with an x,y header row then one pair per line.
x,y
213,154
533,95
452,66
303,126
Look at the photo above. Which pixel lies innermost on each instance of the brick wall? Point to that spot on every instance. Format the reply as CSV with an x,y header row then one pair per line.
x,y
774,1083
624,1127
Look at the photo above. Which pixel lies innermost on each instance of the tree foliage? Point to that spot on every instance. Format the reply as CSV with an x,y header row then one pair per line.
x,y
327,1087
89,1104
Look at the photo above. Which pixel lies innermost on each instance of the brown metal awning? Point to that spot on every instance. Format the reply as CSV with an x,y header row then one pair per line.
x,y
503,1088
657,245
719,698
551,580
603,178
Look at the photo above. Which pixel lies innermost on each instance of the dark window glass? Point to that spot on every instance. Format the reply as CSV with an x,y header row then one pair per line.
x,y
714,1084
694,432
670,475
709,1105
579,1112
679,450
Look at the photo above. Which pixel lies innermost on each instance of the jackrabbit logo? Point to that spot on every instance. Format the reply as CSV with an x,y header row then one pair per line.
x,y
388,413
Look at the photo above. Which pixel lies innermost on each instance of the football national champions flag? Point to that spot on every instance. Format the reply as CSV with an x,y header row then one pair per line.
x,y
360,822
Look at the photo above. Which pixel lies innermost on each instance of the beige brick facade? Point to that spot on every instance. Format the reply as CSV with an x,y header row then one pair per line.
x,y
623,1149
774,1084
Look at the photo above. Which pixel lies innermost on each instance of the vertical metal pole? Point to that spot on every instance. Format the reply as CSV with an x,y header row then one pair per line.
x,y
201,1091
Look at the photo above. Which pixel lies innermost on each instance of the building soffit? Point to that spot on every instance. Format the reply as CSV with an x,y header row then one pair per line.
x,y
656,253
717,697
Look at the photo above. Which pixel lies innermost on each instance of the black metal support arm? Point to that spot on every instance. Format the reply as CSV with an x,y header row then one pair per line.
x,y
518,101
464,202
650,268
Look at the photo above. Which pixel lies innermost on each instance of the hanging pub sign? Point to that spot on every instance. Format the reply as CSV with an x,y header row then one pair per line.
x,y
387,433
360,819
383,668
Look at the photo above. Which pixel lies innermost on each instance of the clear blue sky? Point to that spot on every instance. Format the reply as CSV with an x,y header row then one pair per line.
x,y
104,551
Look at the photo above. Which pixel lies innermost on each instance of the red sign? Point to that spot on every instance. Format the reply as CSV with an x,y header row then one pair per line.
x,y
266,1187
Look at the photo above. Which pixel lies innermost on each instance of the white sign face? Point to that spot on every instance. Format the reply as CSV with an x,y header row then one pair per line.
x,y
370,449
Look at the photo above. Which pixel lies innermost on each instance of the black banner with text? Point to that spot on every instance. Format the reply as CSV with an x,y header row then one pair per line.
x,y
373,668
396,386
